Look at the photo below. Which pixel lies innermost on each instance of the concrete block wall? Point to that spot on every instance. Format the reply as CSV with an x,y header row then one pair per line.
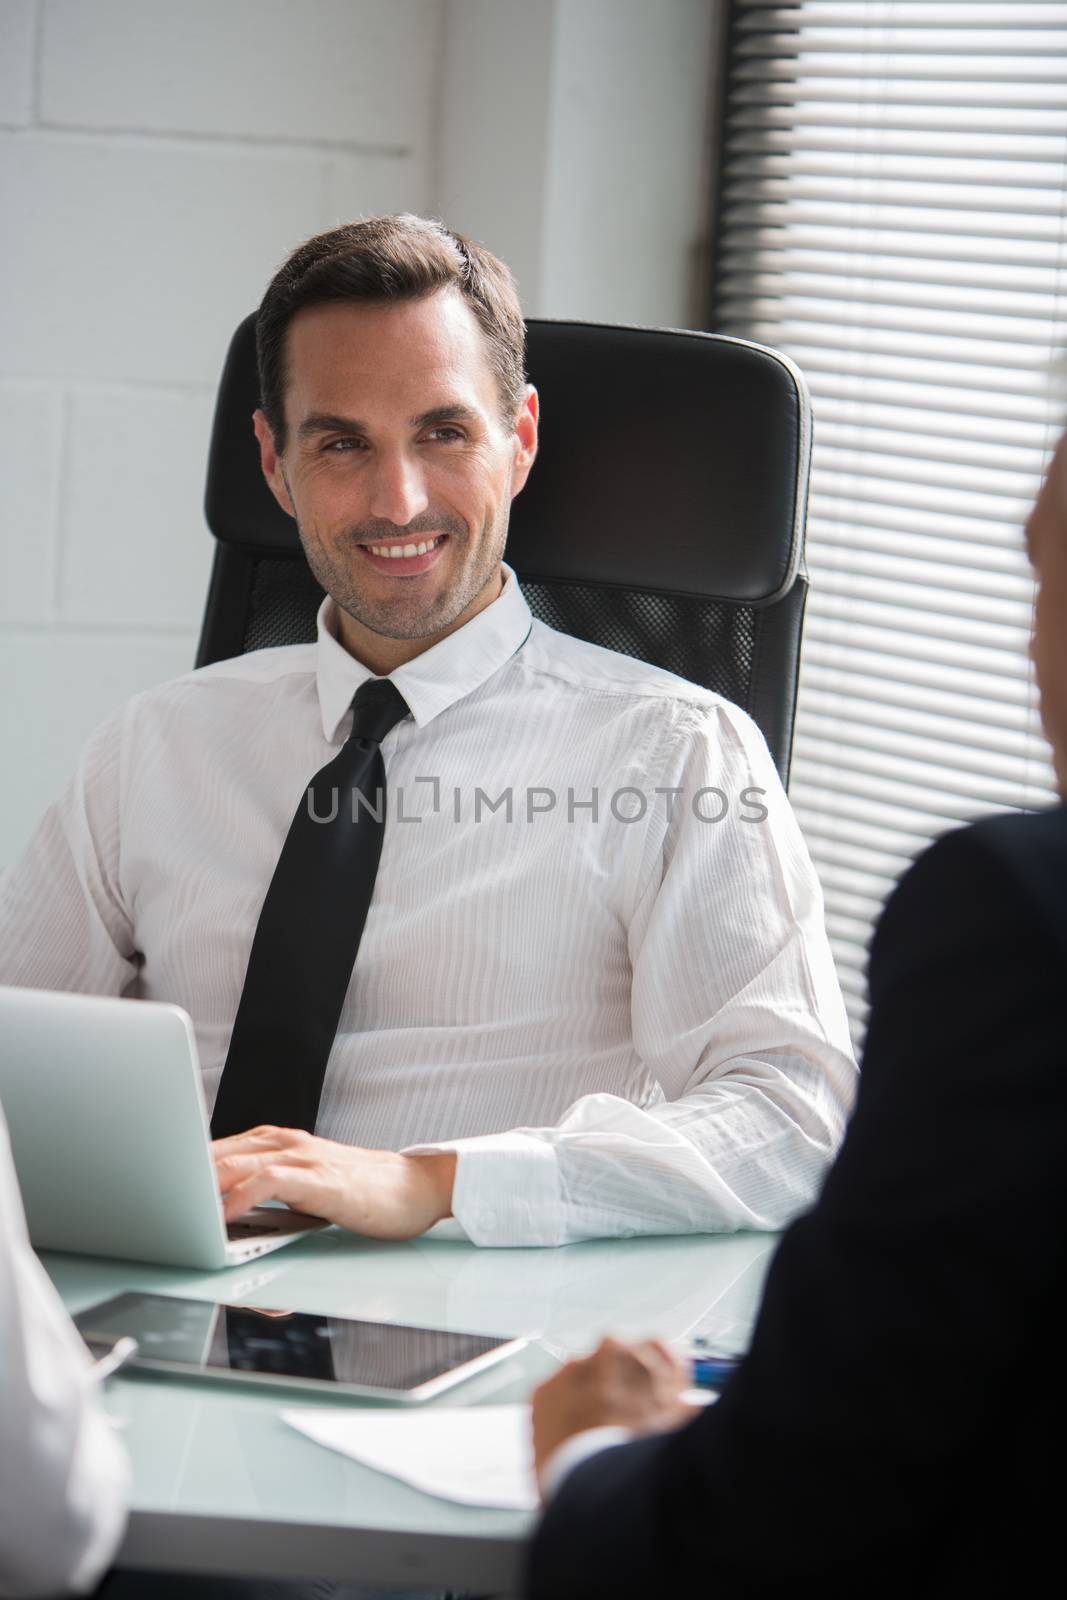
x,y
157,160
156,163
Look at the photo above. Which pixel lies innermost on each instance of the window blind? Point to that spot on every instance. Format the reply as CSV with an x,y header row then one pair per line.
x,y
893,214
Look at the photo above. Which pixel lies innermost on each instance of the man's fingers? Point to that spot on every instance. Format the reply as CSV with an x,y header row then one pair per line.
x,y
264,1137
262,1180
382,1193
263,1130
237,1168
247,1180
242,1196
660,1358
644,1363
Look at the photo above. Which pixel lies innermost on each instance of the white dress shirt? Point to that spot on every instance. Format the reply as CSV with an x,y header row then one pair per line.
x,y
626,1022
63,1472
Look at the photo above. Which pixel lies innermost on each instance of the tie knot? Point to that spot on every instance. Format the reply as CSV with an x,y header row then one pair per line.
x,y
377,706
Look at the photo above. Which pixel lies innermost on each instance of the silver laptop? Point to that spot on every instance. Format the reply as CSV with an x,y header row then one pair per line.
x,y
110,1137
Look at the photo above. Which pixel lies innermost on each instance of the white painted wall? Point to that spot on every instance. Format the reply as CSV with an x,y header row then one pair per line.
x,y
156,163
581,132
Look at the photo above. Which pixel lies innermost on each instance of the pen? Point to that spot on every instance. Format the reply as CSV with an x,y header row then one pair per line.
x,y
121,1351
712,1372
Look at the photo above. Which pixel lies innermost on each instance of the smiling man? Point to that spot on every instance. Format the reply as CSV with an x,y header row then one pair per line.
x,y
547,1018
402,492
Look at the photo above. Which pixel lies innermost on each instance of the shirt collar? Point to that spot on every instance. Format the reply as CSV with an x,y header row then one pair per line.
x,y
437,678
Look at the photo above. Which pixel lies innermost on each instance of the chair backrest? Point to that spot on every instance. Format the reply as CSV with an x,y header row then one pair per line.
x,y
664,517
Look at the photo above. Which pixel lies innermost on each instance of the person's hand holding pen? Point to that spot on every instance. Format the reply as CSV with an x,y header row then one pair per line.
x,y
636,1386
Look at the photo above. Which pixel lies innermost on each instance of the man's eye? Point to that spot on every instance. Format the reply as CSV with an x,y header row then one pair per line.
x,y
339,446
446,434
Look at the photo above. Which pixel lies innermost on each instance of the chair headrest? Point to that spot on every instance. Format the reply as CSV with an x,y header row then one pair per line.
x,y
669,461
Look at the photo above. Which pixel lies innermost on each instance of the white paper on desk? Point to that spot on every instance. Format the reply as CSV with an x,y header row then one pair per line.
x,y
478,1455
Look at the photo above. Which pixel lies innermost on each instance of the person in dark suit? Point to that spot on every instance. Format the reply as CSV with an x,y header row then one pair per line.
x,y
895,1423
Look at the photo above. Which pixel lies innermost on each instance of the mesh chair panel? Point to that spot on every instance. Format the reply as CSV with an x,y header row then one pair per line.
x,y
283,604
708,642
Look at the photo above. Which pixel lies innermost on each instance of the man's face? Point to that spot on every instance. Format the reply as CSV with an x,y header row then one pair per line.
x,y
1046,538
395,438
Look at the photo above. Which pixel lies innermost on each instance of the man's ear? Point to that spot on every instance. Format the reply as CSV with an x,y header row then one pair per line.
x,y
526,439
270,461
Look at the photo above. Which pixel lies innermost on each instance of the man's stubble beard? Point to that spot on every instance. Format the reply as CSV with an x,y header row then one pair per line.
x,y
389,621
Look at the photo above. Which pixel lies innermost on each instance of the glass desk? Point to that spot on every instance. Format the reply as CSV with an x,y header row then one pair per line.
x,y
222,1485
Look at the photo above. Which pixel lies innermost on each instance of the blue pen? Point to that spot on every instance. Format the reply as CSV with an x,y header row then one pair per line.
x,y
712,1372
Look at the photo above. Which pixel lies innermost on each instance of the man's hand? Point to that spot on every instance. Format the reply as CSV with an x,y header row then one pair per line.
x,y
636,1386
375,1192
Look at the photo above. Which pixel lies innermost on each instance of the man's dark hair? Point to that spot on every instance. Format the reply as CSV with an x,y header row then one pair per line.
x,y
390,259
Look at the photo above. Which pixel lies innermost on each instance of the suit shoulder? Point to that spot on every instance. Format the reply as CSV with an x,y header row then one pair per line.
x,y
1022,839
1003,869
1030,847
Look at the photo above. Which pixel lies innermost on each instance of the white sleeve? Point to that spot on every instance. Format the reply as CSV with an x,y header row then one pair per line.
x,y
63,921
736,1014
64,1476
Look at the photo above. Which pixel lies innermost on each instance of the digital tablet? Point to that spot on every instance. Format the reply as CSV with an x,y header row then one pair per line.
x,y
290,1349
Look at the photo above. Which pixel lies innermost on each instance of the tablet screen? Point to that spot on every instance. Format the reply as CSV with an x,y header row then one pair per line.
x,y
250,1341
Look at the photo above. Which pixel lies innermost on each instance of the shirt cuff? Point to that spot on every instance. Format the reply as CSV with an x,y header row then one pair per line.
x,y
573,1451
506,1189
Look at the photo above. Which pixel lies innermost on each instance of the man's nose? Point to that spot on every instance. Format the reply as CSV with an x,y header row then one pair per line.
x,y
398,491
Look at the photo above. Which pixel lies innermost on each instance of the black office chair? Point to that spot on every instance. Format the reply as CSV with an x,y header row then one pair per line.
x,y
664,516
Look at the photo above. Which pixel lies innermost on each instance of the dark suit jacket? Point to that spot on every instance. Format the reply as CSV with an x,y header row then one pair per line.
x,y
898,1424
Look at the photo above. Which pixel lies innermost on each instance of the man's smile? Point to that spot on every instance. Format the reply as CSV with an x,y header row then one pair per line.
x,y
404,558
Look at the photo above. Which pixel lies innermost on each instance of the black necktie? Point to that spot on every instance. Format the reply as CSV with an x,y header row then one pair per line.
x,y
309,931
